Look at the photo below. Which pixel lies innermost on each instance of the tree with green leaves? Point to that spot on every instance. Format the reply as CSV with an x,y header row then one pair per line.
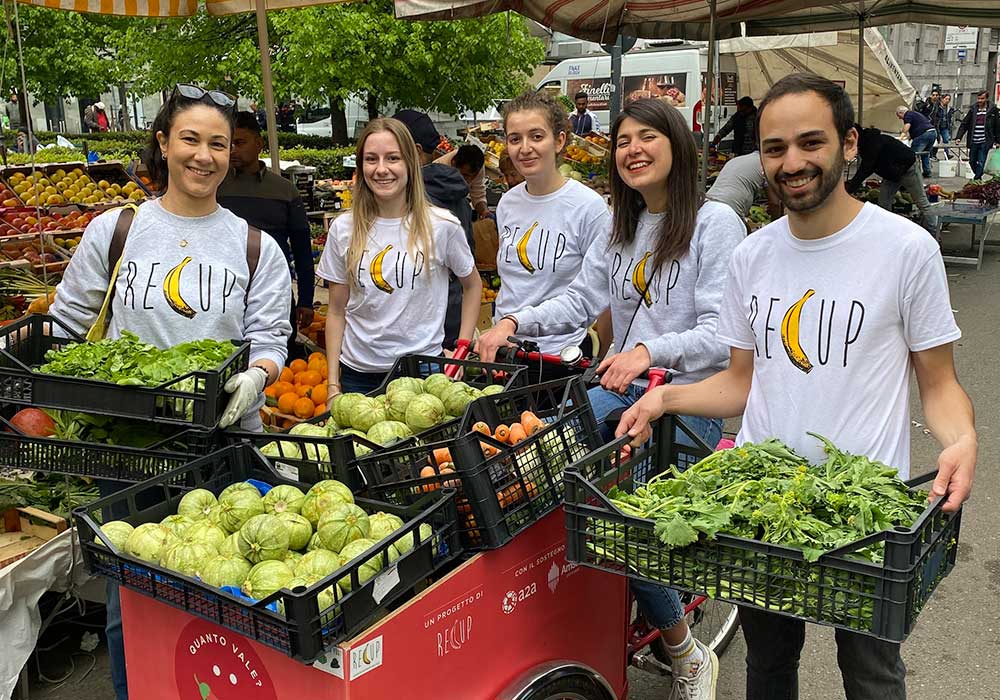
x,y
66,54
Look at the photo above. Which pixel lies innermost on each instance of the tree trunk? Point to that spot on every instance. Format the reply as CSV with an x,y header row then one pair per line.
x,y
372,107
123,106
338,123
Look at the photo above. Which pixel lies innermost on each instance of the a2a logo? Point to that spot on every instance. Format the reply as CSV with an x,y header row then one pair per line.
x,y
512,598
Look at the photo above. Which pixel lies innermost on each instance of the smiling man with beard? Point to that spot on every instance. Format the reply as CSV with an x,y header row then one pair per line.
x,y
826,312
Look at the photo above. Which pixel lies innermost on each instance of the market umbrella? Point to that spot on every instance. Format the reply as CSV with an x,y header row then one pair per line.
x,y
604,20
186,8
761,61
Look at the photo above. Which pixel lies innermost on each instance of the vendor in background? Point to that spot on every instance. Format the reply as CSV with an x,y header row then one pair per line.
x,y
922,134
740,183
95,118
743,126
273,204
890,159
583,120
471,162
236,286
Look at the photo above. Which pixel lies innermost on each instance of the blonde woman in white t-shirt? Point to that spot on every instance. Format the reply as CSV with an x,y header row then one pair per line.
x,y
546,224
387,263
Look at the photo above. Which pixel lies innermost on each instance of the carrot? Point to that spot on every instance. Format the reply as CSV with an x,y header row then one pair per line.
x,y
442,455
427,472
488,449
502,433
531,423
515,493
517,434
481,427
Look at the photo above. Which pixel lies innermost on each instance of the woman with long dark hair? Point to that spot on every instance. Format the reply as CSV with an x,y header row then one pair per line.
x,y
662,271
226,280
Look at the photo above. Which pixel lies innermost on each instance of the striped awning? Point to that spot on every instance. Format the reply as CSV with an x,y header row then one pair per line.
x,y
170,8
603,20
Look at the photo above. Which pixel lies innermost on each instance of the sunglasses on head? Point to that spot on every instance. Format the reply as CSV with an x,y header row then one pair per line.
x,y
193,92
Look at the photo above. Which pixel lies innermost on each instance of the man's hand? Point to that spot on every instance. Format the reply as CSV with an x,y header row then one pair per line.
x,y
494,339
619,371
482,210
956,467
635,421
304,316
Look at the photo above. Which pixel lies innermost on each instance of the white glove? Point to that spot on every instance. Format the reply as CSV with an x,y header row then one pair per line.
x,y
245,388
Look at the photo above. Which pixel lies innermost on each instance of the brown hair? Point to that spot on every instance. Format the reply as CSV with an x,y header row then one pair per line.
x,y
553,110
365,209
682,183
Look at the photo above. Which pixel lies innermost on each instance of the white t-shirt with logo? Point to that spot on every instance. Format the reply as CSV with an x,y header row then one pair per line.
x,y
399,305
832,323
543,241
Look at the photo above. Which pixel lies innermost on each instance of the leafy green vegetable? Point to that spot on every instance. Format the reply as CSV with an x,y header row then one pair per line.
x,y
87,427
58,495
127,360
766,492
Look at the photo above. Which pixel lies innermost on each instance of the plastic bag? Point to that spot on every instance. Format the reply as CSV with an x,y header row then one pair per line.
x,y
992,162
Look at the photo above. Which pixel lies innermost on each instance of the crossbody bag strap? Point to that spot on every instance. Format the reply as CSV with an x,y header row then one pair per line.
x,y
253,258
100,326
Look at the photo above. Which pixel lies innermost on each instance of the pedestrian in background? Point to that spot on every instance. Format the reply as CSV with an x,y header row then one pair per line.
x,y
946,117
921,132
743,125
981,127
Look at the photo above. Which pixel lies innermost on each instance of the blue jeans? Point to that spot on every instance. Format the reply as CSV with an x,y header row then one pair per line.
x,y
113,608
351,380
944,136
660,605
977,158
921,145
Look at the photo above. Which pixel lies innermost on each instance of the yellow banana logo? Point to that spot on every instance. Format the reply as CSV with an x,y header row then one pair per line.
x,y
522,249
790,334
639,281
172,290
376,271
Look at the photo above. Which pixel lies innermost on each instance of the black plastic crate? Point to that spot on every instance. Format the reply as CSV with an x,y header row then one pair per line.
x,y
23,345
304,632
881,600
503,494
475,373
300,457
100,460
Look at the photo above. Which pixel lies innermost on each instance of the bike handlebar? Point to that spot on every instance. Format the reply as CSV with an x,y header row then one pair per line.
x,y
462,349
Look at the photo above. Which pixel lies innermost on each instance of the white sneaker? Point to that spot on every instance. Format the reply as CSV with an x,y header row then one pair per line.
x,y
701,683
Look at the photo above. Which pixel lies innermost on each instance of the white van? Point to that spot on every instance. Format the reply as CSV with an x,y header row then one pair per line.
x,y
674,72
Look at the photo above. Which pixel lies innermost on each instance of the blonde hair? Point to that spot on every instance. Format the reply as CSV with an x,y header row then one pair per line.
x,y
365,208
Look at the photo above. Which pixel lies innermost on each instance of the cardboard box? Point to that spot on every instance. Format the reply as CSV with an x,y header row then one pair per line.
x,y
26,529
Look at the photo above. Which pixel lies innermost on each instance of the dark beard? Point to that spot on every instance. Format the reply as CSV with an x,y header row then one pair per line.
x,y
829,180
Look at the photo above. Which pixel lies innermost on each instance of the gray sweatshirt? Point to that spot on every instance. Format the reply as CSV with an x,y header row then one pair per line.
x,y
181,279
676,319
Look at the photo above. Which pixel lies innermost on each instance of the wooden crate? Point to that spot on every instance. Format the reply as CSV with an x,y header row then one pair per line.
x,y
26,529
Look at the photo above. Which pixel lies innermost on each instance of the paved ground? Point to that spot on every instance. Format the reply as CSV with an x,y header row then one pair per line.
x,y
954,650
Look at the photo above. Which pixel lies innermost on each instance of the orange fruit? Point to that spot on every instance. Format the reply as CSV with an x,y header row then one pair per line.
x,y
288,423
309,378
302,390
282,387
270,397
317,356
304,408
298,366
318,365
287,401
320,410
287,375
318,395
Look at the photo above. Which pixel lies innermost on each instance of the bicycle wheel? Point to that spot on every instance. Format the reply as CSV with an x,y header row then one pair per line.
x,y
572,688
714,622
